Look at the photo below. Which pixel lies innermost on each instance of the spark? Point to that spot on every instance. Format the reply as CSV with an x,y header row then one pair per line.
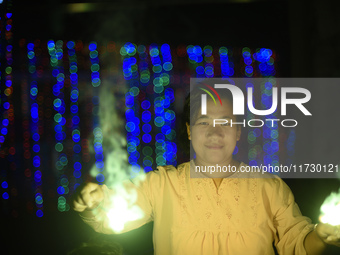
x,y
330,209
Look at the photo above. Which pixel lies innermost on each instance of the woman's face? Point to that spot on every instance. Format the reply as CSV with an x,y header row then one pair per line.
x,y
214,145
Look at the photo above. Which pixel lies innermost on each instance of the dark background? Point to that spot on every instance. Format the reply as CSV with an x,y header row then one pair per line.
x,y
305,34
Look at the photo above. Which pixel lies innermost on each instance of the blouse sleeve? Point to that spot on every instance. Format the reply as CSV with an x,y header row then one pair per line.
x,y
291,226
138,191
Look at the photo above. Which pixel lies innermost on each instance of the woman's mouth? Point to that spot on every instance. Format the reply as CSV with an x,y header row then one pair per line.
x,y
214,147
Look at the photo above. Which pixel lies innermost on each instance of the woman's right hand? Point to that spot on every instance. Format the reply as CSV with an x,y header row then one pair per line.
x,y
88,197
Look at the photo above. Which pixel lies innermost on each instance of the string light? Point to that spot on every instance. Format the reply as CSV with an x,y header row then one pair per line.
x,y
97,132
168,115
270,132
7,107
209,60
147,129
75,120
227,67
158,88
253,133
34,126
130,72
56,57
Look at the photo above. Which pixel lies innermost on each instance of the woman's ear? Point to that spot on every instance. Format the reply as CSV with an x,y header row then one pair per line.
x,y
188,130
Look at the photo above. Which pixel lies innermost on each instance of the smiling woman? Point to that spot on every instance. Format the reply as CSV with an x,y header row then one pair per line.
x,y
214,145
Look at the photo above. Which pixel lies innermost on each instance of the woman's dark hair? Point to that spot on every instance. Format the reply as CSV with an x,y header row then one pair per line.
x,y
192,106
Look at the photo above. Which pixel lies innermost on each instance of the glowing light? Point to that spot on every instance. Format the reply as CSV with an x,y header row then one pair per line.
x,y
330,209
123,208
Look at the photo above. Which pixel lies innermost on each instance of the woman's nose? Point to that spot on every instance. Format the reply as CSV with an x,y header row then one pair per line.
x,y
215,131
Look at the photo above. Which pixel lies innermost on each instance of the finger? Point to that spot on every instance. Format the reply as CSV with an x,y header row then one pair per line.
x,y
79,208
87,198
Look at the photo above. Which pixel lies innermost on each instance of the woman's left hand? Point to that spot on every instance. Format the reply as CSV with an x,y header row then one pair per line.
x,y
328,233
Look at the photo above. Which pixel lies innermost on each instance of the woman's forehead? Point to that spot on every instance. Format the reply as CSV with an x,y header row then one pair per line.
x,y
215,110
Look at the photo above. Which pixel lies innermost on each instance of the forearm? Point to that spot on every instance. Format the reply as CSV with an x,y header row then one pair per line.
x,y
313,244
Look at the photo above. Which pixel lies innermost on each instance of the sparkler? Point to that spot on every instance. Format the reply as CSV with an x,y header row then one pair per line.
x,y
123,206
330,209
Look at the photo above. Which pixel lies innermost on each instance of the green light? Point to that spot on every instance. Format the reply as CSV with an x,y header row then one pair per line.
x,y
59,147
157,68
134,91
64,160
93,54
147,151
8,70
59,165
171,135
73,69
64,182
57,117
39,200
95,68
274,134
31,69
75,132
60,77
123,51
61,200
134,68
158,89
160,160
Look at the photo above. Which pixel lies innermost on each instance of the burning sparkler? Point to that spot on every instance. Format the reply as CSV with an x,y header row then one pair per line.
x,y
330,209
116,167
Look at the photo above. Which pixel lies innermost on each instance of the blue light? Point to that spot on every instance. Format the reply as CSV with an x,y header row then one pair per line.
x,y
70,45
6,105
50,44
92,46
36,148
5,195
36,161
77,148
146,128
166,129
37,175
74,108
75,120
36,137
147,138
146,116
197,50
145,104
4,131
40,213
4,185
100,177
200,70
61,190
76,174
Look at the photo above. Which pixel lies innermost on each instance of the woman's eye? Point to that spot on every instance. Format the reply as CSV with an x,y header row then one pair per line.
x,y
203,123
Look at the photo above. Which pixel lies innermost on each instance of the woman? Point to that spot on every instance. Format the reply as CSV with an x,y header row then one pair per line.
x,y
220,212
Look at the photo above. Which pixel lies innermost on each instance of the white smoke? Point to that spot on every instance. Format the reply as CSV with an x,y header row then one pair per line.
x,y
116,166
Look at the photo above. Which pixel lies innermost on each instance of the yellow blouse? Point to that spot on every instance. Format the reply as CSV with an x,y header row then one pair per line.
x,y
191,217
